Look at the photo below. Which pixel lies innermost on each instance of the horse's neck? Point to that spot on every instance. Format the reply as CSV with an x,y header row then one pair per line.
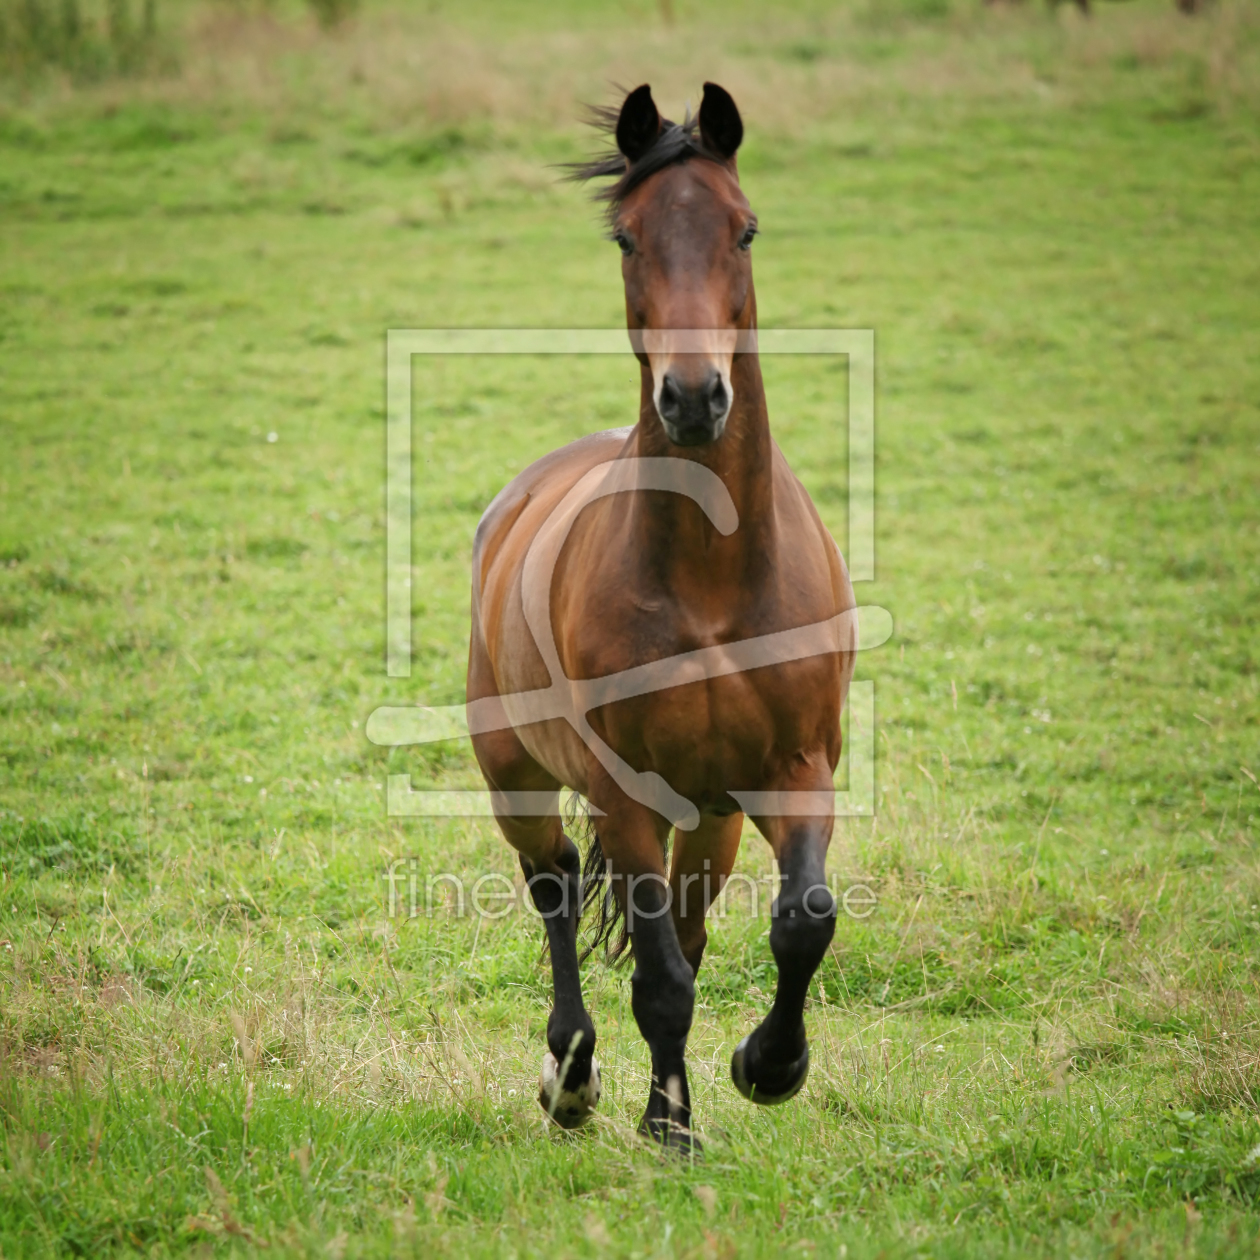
x,y
670,534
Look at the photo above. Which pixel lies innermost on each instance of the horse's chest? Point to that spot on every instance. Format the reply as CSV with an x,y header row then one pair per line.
x,y
698,713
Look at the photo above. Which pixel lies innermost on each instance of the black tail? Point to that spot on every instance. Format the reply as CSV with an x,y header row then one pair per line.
x,y
600,908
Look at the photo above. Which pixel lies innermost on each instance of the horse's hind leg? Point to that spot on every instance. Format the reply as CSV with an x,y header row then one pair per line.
x,y
662,993
570,1084
698,872
770,1065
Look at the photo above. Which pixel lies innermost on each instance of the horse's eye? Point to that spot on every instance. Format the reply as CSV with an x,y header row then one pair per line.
x,y
745,241
624,243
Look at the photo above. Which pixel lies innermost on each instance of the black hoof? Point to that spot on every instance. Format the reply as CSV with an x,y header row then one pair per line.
x,y
778,1089
672,1137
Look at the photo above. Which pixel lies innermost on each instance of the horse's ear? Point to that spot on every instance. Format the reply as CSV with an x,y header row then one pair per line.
x,y
638,124
721,127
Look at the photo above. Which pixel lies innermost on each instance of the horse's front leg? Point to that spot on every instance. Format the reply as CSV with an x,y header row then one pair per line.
x,y
770,1065
569,1088
663,983
570,1084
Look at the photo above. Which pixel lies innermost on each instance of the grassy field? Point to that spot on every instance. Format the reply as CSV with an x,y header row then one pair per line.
x,y
1043,1041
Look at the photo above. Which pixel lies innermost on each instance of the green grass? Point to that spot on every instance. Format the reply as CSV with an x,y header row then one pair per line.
x,y
1044,1040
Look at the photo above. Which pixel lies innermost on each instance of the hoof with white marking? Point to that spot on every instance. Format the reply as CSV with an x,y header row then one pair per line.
x,y
569,1108
789,1086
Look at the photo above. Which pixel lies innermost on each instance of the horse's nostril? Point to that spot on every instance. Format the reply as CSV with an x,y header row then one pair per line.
x,y
671,398
693,410
717,398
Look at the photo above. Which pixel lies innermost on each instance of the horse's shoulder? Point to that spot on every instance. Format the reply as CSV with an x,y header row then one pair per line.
x,y
791,486
552,475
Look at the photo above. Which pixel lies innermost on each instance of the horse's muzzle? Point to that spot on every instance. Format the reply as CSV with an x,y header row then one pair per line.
x,y
693,413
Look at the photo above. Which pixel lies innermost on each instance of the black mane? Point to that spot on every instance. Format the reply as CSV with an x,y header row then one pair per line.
x,y
677,142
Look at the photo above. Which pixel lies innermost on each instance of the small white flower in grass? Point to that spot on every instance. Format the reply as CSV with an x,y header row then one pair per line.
x,y
248,970
247,778
273,436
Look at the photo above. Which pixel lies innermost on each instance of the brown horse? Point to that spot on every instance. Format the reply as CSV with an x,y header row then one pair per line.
x,y
668,546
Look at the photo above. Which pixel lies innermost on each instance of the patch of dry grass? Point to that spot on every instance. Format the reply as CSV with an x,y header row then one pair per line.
x,y
398,69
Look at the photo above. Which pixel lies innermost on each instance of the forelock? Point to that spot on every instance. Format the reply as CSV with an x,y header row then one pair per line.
x,y
677,142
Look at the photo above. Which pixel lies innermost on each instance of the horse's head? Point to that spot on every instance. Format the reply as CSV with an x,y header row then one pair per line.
x,y
684,229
